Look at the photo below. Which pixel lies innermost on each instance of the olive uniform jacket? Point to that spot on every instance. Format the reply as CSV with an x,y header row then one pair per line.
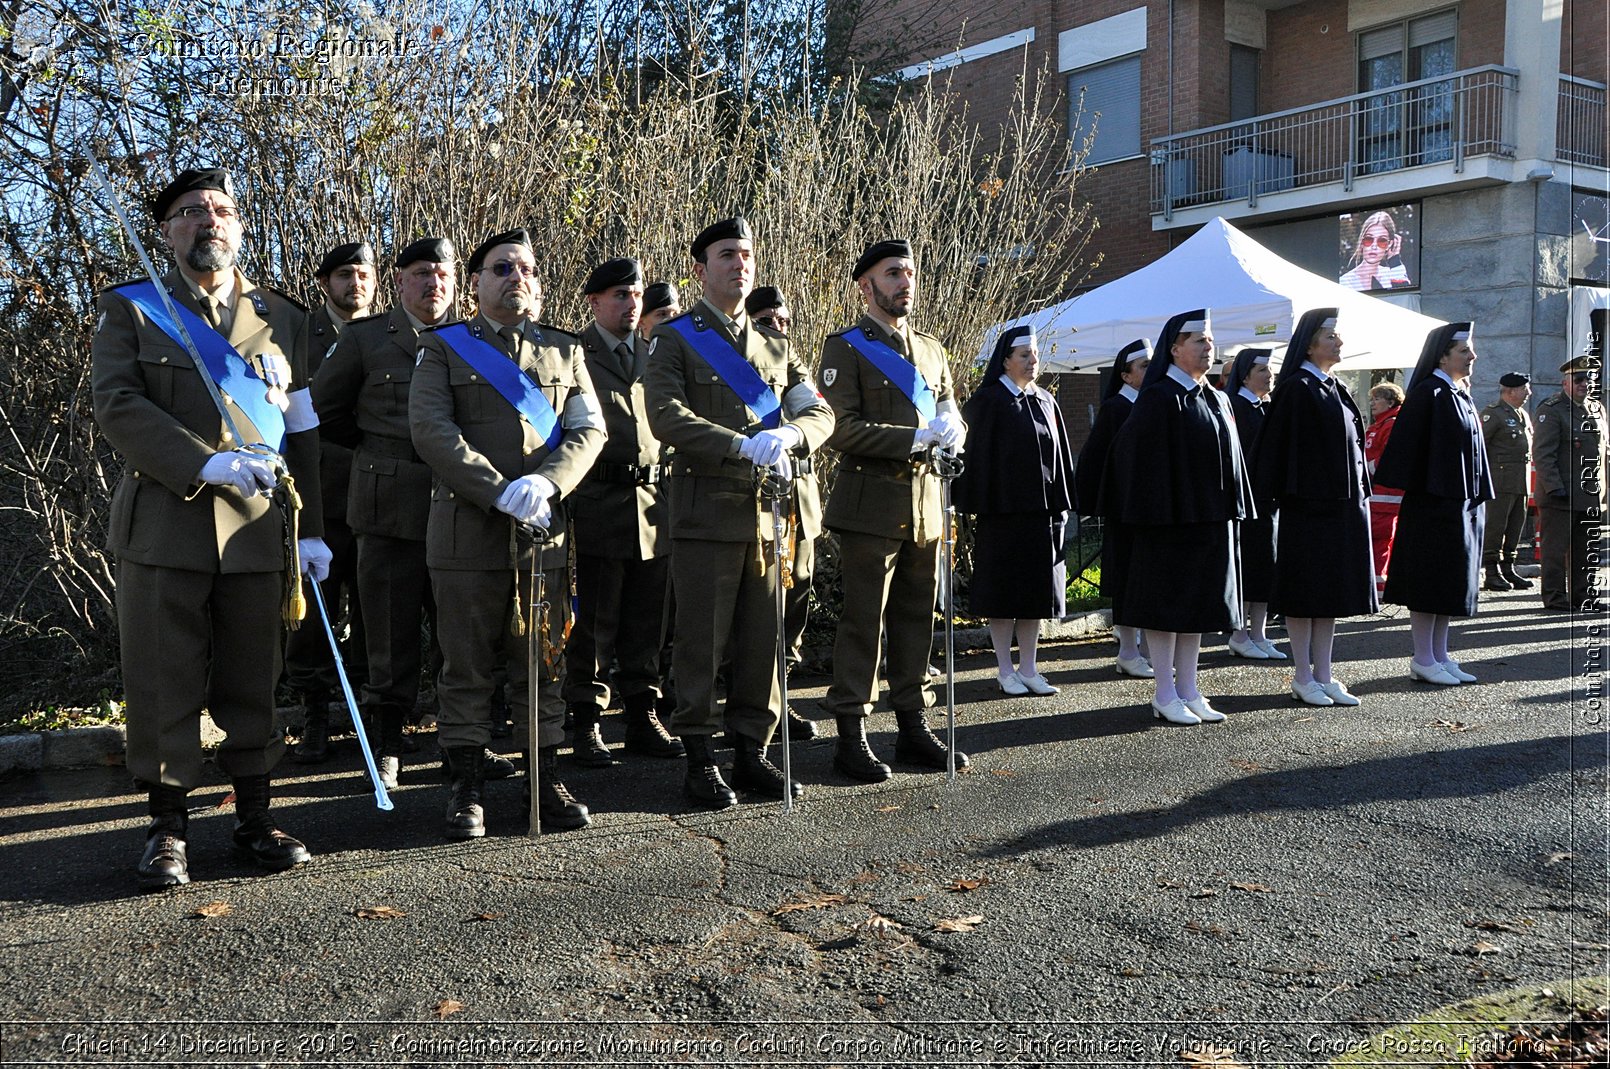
x,y
335,458
152,405
361,394
619,510
694,412
878,490
1569,451
1509,447
476,443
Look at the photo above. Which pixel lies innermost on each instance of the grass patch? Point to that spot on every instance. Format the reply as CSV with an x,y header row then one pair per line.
x,y
105,711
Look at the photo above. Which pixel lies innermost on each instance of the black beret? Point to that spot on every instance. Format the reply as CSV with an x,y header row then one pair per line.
x,y
191,179
351,252
660,295
517,236
879,251
736,227
426,250
1514,380
762,298
621,271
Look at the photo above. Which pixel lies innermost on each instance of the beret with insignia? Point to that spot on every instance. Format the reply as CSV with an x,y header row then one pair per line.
x,y
351,252
736,227
426,250
189,180
621,271
1514,380
517,236
877,252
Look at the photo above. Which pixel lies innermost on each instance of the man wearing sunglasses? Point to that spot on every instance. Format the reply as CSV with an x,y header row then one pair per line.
x,y
1568,451
196,528
503,410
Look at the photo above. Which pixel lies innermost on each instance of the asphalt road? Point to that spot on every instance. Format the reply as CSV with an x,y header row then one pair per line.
x,y
1281,886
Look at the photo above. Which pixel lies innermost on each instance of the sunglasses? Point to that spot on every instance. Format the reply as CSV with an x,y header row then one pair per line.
x,y
503,269
1580,376
777,323
1381,241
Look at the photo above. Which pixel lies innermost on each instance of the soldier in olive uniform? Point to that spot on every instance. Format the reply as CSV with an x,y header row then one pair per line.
x,y
1507,429
889,385
200,543
346,277
1569,451
730,396
767,307
623,538
661,302
498,469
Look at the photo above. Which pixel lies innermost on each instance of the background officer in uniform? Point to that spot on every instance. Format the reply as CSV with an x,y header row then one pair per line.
x,y
767,307
346,277
1507,430
200,543
623,538
661,301
724,581
1569,451
494,472
886,508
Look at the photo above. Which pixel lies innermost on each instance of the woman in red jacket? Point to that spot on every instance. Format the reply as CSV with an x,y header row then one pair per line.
x,y
1386,400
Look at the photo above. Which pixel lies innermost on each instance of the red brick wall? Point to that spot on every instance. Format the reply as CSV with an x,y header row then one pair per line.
x,y
1585,40
1310,56
1481,33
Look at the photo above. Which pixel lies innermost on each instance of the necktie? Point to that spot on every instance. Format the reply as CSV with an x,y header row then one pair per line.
x,y
209,310
512,336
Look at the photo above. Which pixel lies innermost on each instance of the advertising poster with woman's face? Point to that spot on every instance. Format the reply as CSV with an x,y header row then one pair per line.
x,y
1379,248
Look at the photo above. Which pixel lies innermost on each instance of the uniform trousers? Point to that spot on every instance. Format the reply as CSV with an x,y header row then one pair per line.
x,y
395,590
620,618
193,641
474,611
1506,520
1573,549
309,664
889,584
721,594
797,598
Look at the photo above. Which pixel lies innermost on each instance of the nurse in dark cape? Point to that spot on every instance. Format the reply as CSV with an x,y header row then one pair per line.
x,y
1248,383
1123,386
1437,455
1310,461
1177,483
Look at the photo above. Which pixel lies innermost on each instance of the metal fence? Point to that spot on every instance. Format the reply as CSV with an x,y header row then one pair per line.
x,y
1579,135
1432,121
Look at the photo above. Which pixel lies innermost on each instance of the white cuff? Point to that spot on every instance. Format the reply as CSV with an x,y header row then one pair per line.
x,y
301,416
802,398
582,412
947,406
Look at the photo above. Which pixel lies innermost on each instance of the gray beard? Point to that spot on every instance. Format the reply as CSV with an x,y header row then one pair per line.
x,y
210,257
520,303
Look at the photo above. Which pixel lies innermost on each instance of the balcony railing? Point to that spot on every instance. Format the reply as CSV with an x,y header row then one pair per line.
x,y
1432,121
1579,135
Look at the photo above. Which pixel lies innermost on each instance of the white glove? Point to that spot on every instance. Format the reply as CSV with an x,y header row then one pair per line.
x,y
768,447
952,431
926,438
246,472
527,499
315,558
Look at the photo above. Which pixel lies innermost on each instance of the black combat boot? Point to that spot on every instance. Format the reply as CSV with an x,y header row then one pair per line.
x,y
1495,581
854,757
313,748
588,749
917,745
1506,568
555,804
645,734
493,766
800,729
703,783
164,863
465,818
257,839
751,771
388,754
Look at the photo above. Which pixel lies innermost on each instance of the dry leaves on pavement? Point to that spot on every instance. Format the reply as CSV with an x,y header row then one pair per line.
x,y
1223,1057
447,1007
818,902
213,909
378,913
958,924
962,886
1256,888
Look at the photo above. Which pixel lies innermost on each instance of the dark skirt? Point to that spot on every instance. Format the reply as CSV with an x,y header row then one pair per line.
x,y
1114,556
1258,555
1181,577
1436,555
1019,571
1325,564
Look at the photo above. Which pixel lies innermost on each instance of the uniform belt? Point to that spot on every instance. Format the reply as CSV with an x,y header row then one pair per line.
x,y
628,474
396,448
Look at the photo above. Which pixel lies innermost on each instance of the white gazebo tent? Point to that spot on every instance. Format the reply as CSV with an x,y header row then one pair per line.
x,y
1255,297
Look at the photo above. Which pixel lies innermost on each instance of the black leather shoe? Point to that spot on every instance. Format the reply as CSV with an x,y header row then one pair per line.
x,y
1514,578
389,766
559,809
164,863
1496,581
703,783
853,757
645,734
465,818
800,729
258,841
751,771
588,749
313,748
916,744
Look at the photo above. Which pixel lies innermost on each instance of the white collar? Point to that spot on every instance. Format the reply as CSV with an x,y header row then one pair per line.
x,y
1250,396
1308,366
1017,391
1181,377
1129,392
1445,377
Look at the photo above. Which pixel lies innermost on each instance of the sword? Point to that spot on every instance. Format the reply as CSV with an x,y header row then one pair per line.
x,y
536,614
948,466
382,800
775,488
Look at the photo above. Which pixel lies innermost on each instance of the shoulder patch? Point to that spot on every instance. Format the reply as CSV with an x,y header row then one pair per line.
x,y
830,375
1485,416
280,293
559,331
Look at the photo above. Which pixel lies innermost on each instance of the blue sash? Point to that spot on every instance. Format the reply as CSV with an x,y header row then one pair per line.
x,y
504,375
738,374
232,373
900,371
